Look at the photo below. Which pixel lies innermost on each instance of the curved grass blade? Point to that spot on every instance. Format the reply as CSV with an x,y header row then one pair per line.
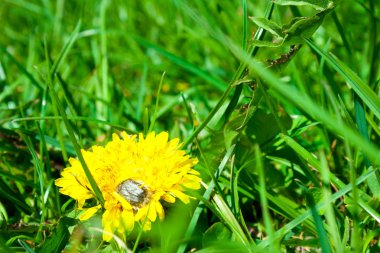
x,y
65,50
154,117
334,179
21,68
206,195
244,39
323,238
307,104
364,91
321,205
274,245
15,199
40,180
70,130
25,246
76,118
229,218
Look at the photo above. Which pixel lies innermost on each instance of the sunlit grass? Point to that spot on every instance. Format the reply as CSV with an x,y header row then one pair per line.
x,y
287,135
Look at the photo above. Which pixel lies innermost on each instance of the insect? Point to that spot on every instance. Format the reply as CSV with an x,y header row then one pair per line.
x,y
284,58
134,192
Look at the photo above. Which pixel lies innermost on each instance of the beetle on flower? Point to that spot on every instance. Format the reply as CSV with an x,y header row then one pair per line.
x,y
133,175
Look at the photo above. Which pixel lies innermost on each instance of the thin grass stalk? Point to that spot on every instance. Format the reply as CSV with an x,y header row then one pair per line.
x,y
58,105
332,226
268,224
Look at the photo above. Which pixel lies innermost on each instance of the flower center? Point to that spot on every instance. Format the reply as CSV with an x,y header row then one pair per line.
x,y
134,192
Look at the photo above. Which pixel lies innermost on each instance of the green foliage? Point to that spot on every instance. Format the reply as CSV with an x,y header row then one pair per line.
x,y
279,100
297,29
59,238
317,4
215,234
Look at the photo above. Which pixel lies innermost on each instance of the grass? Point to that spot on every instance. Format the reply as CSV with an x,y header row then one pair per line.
x,y
286,131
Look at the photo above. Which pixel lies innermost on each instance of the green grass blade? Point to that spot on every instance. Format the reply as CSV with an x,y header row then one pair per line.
x,y
78,118
70,131
28,6
14,198
372,212
72,105
214,81
21,68
16,178
65,50
305,103
322,235
306,215
140,106
335,180
229,218
361,122
373,45
364,91
206,196
244,32
307,156
332,226
105,87
25,246
213,112
280,204
274,246
188,110
40,180
154,116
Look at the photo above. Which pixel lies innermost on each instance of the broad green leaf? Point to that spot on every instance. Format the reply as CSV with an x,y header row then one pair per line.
x,y
293,32
268,25
230,135
218,232
263,43
59,237
225,247
300,28
262,127
316,4
233,128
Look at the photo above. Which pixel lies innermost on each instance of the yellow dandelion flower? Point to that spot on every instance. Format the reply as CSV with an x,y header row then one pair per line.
x,y
134,175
